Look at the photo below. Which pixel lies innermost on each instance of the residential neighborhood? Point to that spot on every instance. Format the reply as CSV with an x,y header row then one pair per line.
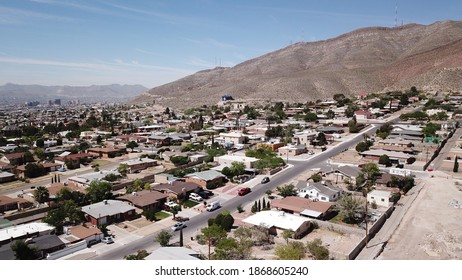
x,y
84,182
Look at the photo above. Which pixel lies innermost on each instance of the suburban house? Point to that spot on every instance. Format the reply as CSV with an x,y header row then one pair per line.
x,y
47,244
306,137
55,188
85,180
159,140
342,173
227,160
13,158
302,206
174,254
80,232
232,137
108,212
109,152
177,188
145,199
205,178
49,167
363,115
385,179
7,203
272,144
164,178
320,191
6,177
381,198
292,150
24,231
280,220
139,164
72,161
393,156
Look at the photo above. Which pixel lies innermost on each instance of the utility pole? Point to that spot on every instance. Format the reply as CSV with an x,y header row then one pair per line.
x,y
365,221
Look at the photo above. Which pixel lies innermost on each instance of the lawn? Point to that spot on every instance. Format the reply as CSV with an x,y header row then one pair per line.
x,y
162,215
101,162
190,203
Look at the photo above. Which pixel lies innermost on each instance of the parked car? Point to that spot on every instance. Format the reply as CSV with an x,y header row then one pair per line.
x,y
178,226
107,240
196,197
92,242
243,191
205,194
181,219
171,204
265,180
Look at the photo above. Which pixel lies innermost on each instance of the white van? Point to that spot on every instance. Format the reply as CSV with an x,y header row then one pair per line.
x,y
213,205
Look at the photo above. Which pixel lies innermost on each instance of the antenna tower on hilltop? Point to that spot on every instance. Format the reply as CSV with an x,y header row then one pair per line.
x,y
396,14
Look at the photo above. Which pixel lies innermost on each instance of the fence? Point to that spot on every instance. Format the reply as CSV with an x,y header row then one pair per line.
x,y
68,250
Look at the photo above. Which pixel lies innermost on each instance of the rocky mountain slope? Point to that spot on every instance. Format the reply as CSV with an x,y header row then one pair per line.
x,y
369,59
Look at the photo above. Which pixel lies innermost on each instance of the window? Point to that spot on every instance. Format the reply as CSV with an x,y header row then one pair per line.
x,y
323,198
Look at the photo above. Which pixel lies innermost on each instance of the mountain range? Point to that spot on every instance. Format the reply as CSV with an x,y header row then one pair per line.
x,y
374,59
15,94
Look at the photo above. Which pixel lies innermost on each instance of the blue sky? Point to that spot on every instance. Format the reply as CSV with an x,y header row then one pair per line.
x,y
85,42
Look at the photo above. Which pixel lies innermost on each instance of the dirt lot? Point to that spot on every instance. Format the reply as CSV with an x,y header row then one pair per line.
x,y
431,229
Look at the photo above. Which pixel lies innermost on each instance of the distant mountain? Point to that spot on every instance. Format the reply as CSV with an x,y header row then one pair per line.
x,y
370,59
12,93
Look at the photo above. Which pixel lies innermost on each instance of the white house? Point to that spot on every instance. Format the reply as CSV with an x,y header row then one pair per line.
x,y
321,191
381,198
249,162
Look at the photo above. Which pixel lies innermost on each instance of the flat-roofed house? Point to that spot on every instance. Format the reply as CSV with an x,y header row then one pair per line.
x,y
139,164
274,220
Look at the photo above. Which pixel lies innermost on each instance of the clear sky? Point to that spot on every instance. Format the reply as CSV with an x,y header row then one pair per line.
x,y
85,42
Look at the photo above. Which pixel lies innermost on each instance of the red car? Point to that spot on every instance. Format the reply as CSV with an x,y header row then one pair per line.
x,y
243,191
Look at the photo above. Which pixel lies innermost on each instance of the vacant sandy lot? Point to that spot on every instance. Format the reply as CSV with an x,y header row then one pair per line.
x,y
431,229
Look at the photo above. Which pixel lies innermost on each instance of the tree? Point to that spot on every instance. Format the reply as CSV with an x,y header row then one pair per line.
x,y
318,251
321,139
23,252
131,145
179,160
33,170
40,153
213,234
123,169
225,220
287,190
349,206
291,251
455,169
140,255
385,160
286,234
163,237
371,171
237,168
41,194
99,191
40,143
362,146
316,177
353,125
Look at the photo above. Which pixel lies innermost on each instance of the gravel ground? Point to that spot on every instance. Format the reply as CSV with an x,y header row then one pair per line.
x,y
431,229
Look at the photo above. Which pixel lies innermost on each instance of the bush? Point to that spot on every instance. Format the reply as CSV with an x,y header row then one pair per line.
x,y
150,215
318,251
410,160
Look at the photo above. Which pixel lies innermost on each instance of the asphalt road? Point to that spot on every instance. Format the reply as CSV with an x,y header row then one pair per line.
x,y
199,221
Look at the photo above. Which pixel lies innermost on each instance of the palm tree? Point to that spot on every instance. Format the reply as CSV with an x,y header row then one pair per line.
x,y
41,194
